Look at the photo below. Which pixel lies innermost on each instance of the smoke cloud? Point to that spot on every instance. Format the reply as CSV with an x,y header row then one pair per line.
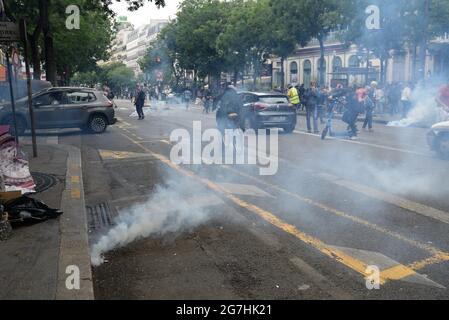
x,y
426,111
169,210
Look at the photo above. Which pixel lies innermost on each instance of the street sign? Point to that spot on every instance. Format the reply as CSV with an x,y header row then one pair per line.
x,y
9,32
15,57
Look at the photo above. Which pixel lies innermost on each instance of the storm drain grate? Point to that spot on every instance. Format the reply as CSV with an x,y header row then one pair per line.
x,y
43,181
99,216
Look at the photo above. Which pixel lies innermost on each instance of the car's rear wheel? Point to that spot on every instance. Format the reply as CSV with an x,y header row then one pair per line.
x,y
21,125
97,124
289,128
442,146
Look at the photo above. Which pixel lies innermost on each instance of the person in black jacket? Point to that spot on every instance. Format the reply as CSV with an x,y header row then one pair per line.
x,y
312,99
354,108
140,102
230,103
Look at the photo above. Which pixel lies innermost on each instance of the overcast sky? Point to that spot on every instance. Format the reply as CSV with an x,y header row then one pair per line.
x,y
148,11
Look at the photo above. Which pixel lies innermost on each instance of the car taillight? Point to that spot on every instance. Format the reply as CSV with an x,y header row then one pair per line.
x,y
260,106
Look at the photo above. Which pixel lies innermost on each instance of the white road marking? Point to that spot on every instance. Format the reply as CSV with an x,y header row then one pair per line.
x,y
244,190
379,146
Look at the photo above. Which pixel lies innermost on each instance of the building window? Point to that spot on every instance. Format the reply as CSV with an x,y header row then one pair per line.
x,y
337,64
293,72
307,72
354,62
319,70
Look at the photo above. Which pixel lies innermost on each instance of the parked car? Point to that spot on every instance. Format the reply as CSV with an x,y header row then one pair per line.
x,y
20,89
62,108
438,139
267,110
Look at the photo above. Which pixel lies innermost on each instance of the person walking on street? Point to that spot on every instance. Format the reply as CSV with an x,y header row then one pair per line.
x,y
335,98
380,100
293,97
139,103
406,99
187,98
369,108
312,98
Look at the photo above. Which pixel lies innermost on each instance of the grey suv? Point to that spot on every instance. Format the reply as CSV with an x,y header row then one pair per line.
x,y
62,108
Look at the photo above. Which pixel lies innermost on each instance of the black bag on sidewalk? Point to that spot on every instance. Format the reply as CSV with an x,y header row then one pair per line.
x,y
26,209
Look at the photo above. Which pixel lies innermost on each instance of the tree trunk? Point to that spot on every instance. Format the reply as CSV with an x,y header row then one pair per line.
x,y
322,74
254,75
236,77
35,56
415,53
50,62
423,44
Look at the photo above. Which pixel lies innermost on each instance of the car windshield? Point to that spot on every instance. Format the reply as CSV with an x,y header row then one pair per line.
x,y
273,99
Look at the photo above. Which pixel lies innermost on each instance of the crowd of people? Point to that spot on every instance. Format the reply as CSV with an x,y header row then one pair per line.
x,y
320,103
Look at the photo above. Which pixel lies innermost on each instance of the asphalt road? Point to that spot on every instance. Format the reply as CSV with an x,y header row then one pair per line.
x,y
334,211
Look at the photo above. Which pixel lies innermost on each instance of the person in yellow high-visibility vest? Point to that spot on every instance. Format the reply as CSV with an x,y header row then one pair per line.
x,y
293,96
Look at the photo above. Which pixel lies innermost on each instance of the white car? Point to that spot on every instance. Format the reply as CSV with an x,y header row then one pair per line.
x,y
438,139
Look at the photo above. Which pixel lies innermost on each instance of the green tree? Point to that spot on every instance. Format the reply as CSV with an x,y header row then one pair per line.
x,y
198,25
315,19
391,35
80,49
156,61
116,75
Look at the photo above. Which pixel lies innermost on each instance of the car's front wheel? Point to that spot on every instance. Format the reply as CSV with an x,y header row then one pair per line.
x,y
442,146
97,124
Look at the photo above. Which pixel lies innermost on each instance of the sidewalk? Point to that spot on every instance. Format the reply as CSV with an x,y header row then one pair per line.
x,y
34,260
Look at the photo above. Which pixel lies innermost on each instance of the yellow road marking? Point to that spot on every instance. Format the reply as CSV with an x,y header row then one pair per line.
x,y
120,155
75,179
397,272
438,255
335,254
76,193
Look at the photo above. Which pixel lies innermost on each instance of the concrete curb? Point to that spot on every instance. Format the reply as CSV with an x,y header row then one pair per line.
x,y
74,253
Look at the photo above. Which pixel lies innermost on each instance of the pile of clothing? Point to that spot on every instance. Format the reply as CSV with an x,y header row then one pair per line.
x,y
14,165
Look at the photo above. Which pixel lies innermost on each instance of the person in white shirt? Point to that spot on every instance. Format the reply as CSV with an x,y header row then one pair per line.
x,y
406,99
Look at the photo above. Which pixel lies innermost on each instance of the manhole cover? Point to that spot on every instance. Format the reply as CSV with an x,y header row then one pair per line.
x,y
43,181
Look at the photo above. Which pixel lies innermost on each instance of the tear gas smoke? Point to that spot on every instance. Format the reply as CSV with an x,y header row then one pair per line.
x,y
169,210
426,111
